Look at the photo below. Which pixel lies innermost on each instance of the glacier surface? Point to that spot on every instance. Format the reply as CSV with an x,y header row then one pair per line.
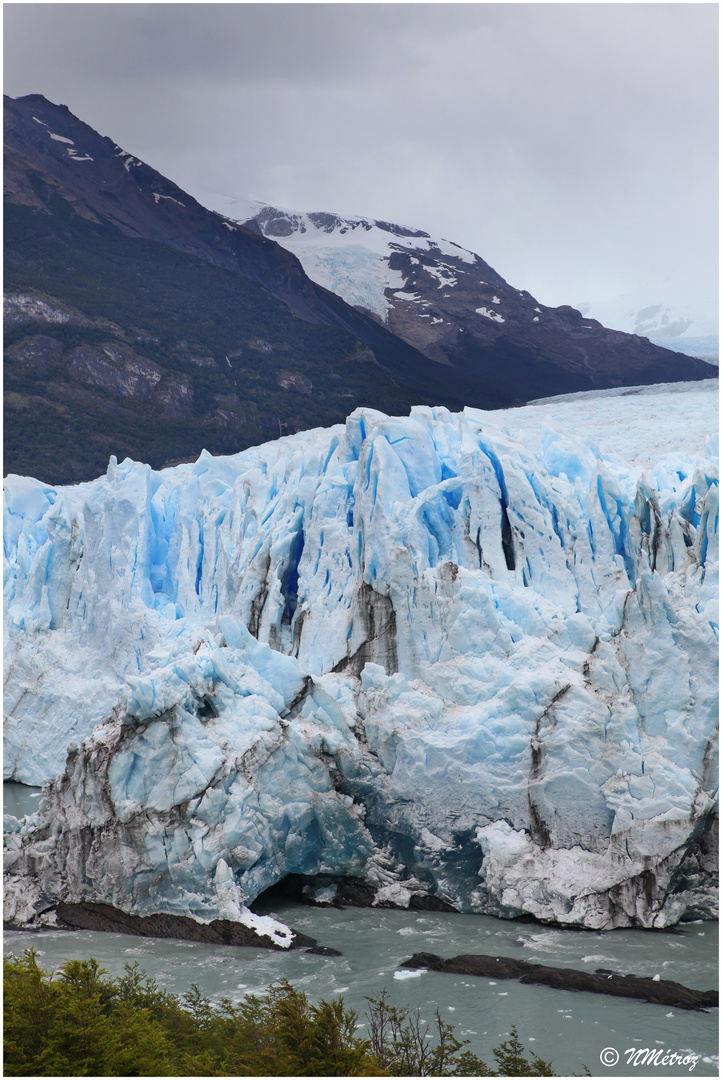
x,y
466,656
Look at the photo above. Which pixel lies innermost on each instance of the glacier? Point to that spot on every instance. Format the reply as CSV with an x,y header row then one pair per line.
x,y
468,658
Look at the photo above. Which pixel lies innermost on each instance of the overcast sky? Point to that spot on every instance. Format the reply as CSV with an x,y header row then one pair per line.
x,y
572,146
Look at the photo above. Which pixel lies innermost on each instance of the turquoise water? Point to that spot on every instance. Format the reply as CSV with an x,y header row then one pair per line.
x,y
20,799
570,1028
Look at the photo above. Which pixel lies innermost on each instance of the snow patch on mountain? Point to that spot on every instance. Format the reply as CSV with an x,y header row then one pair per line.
x,y
445,274
494,315
471,656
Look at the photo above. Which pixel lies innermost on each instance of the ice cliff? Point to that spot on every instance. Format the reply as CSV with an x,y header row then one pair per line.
x,y
466,656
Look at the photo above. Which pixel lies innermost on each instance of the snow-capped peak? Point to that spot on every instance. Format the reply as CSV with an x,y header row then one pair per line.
x,y
351,256
453,307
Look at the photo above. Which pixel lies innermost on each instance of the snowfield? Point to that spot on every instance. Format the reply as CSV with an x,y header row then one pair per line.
x,y
468,656
637,433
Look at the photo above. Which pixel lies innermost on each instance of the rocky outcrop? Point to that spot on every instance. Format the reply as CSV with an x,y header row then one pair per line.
x,y
35,353
19,308
217,932
655,990
107,919
295,381
229,411
115,368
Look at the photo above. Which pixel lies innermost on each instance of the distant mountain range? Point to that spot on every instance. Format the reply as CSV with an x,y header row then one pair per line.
x,y
646,313
430,292
140,323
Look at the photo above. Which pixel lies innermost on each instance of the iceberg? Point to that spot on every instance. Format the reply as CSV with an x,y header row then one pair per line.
x,y
468,658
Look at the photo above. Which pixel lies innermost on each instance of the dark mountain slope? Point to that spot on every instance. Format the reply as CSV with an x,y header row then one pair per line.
x,y
127,347
47,145
155,347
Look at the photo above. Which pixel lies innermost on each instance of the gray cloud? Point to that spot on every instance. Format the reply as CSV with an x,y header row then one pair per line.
x,y
573,146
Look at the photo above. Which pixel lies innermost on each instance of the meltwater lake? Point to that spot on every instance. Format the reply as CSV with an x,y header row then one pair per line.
x,y
572,1029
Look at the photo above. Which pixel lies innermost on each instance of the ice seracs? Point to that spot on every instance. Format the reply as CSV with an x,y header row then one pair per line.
x,y
467,657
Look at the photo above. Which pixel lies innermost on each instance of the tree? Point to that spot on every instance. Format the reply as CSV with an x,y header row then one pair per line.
x,y
79,1022
512,1062
401,1043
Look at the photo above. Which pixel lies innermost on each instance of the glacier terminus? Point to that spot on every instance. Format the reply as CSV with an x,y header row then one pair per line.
x,y
465,657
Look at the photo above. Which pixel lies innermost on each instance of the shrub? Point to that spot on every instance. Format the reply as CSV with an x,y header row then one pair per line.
x,y
79,1022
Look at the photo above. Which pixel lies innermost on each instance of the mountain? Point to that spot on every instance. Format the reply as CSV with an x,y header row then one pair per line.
x,y
465,660
457,310
657,318
140,323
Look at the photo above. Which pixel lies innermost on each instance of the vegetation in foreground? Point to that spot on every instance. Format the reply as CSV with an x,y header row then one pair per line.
x,y
79,1022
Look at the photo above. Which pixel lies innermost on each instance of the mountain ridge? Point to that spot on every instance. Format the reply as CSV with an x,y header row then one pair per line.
x,y
193,331
430,291
219,309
